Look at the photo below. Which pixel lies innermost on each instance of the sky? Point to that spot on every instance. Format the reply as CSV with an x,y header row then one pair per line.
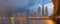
x,y
26,3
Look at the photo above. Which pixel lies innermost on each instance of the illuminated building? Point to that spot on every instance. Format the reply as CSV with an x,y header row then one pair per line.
x,y
42,9
46,11
39,11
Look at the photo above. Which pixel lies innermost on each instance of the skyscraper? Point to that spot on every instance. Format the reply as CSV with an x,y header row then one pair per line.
x,y
39,11
42,9
46,11
33,13
27,12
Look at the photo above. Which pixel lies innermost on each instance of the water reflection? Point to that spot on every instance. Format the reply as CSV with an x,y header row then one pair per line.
x,y
24,20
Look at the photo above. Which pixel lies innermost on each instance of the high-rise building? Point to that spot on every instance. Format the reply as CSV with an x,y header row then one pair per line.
x,y
46,11
39,11
33,13
27,12
42,9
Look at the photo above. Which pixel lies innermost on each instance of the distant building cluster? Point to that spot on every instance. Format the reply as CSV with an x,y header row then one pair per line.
x,y
27,12
16,11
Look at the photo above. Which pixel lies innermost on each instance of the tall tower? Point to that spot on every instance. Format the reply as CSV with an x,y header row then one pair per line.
x,y
39,11
46,11
33,13
27,12
42,9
